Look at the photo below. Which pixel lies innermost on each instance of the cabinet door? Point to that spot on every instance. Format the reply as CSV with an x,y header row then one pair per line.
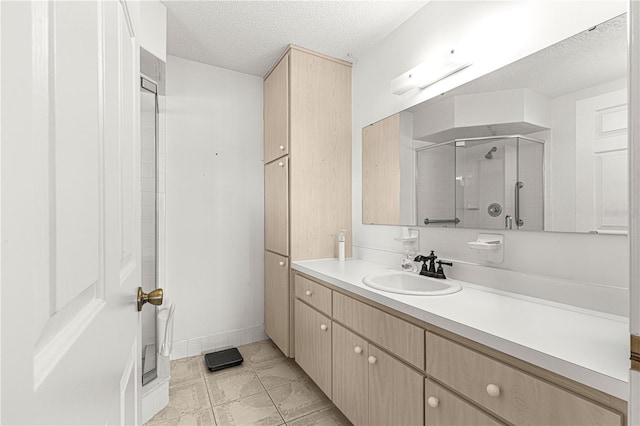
x,y
350,375
313,345
395,391
276,299
381,172
443,408
276,206
276,112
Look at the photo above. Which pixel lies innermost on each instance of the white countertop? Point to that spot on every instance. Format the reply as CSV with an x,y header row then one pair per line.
x,y
587,346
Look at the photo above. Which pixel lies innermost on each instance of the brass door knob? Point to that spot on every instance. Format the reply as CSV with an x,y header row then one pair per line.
x,y
154,297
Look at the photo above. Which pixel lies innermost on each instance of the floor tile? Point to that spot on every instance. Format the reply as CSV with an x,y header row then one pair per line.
x,y
260,352
299,398
253,410
327,417
279,372
185,370
229,385
183,399
196,418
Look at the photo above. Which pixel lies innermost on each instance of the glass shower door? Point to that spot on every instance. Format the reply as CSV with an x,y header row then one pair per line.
x,y
149,186
529,188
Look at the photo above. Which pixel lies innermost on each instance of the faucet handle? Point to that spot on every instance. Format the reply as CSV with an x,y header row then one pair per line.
x,y
420,258
440,271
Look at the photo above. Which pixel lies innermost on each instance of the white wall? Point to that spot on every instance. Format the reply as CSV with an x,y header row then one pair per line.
x,y
585,270
153,28
214,206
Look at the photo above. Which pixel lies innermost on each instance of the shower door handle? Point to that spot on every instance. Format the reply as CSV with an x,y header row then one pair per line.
x,y
154,297
519,222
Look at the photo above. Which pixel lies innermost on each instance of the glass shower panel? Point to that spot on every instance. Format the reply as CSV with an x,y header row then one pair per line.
x,y
435,185
531,184
486,173
148,158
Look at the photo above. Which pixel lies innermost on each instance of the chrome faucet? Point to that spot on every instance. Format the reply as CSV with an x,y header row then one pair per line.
x,y
431,271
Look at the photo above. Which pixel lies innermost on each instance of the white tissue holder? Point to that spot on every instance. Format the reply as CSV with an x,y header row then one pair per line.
x,y
489,247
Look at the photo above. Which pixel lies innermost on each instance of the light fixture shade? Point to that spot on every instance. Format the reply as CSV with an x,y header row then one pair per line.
x,y
430,72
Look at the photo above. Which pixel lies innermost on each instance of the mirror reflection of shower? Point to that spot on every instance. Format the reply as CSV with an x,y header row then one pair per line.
x,y
489,155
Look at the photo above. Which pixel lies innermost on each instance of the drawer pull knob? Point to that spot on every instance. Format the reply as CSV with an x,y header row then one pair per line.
x,y
308,292
324,327
281,263
281,147
357,350
433,402
372,359
281,164
493,390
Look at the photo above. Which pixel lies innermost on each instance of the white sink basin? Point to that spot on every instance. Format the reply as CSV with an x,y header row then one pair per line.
x,y
411,283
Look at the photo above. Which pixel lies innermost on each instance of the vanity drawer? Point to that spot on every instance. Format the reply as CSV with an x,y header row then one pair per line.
x,y
395,335
314,294
511,394
443,408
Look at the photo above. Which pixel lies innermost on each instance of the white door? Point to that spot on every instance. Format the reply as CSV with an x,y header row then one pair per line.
x,y
601,164
70,213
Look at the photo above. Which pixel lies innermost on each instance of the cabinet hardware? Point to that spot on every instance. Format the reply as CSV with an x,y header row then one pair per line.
x,y
433,402
493,390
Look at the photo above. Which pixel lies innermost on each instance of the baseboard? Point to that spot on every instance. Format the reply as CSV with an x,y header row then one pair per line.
x,y
199,345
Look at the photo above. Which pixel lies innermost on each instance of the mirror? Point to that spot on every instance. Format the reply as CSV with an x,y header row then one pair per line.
x,y
538,145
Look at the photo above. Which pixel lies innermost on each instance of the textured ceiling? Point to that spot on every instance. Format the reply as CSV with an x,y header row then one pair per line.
x,y
587,59
249,36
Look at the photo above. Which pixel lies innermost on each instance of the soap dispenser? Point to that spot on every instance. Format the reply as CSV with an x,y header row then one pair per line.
x,y
341,244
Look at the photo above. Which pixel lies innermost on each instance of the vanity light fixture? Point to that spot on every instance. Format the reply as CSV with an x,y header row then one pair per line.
x,y
430,72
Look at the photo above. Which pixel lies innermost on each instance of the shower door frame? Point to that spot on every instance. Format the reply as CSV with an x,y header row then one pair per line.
x,y
150,86
483,138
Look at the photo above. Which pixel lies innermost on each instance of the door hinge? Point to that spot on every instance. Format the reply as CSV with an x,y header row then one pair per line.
x,y
635,352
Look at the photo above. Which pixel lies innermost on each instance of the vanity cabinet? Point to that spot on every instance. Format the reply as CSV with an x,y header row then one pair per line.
x,y
381,367
276,206
372,387
351,375
399,337
276,112
313,345
276,294
511,394
443,408
307,155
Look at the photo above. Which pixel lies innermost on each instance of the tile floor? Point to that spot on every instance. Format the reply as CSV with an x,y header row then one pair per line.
x,y
267,389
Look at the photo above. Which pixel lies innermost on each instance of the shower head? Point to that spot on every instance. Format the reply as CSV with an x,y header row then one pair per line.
x,y
489,155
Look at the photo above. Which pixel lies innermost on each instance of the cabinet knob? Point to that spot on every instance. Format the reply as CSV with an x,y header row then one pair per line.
x,y
493,390
281,164
308,292
357,350
324,327
372,359
281,263
281,147
433,402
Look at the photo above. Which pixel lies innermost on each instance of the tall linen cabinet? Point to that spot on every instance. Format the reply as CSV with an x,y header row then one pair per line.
x,y
307,174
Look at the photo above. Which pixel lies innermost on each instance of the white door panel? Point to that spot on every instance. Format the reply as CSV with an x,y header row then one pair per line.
x,y
601,163
70,215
